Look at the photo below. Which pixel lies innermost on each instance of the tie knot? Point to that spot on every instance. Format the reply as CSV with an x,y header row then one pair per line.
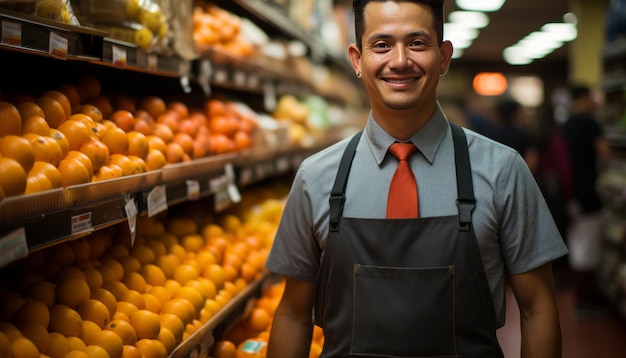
x,y
402,151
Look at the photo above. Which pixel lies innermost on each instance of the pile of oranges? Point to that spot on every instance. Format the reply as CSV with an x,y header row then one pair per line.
x,y
249,338
100,296
219,29
75,135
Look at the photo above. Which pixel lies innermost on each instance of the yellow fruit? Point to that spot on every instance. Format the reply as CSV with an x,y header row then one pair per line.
x,y
37,334
43,291
90,331
65,320
173,324
111,342
76,344
23,348
167,338
94,351
106,297
124,330
146,324
5,345
72,292
95,311
151,348
33,311
59,345
13,177
143,38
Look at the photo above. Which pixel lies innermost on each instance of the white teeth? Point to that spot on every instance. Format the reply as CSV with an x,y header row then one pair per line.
x,y
399,82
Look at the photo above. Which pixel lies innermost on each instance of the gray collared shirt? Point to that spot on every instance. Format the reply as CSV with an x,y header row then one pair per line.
x,y
513,225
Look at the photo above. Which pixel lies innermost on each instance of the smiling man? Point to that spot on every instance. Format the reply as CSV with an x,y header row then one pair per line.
x,y
428,284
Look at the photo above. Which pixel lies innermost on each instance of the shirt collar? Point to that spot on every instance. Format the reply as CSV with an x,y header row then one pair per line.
x,y
427,140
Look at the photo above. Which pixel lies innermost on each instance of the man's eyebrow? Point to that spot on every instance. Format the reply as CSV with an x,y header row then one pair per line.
x,y
384,36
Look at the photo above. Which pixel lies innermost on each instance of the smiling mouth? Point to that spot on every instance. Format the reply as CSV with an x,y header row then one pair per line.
x,y
401,81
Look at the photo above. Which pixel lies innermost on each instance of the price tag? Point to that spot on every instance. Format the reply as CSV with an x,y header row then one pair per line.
x,y
222,200
218,184
233,191
205,72
193,189
153,62
220,76
184,84
131,214
269,96
282,164
246,175
253,81
239,77
13,247
58,46
119,57
157,200
81,223
11,33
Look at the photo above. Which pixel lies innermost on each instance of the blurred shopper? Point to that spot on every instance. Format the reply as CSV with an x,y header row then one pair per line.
x,y
587,148
511,131
554,176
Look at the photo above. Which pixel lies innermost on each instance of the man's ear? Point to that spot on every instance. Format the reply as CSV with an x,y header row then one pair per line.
x,y
354,55
446,51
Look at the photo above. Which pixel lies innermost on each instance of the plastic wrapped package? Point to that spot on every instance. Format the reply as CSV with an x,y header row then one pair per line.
x,y
56,10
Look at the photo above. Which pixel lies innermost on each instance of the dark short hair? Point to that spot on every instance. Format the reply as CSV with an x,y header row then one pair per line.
x,y
358,7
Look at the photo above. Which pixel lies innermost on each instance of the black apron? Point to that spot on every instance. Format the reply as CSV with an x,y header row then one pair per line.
x,y
405,287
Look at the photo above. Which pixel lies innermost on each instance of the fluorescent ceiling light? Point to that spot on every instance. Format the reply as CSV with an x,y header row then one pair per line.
x,y
480,5
470,19
455,31
563,31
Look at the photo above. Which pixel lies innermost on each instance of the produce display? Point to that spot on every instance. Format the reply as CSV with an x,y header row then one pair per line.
x,y
105,295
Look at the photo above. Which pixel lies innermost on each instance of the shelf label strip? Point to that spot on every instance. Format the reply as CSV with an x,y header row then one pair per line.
x,y
11,33
58,46
157,200
131,214
13,247
81,223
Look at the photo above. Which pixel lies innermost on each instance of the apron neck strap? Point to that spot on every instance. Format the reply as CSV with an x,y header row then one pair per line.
x,y
338,193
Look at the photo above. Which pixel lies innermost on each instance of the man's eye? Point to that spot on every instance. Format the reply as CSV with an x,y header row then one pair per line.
x,y
380,45
417,43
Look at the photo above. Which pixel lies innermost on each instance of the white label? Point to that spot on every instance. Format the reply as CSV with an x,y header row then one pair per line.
x,y
239,78
157,200
81,223
131,214
13,247
193,189
222,200
11,33
221,76
246,176
282,164
233,191
204,76
58,46
153,62
269,96
119,57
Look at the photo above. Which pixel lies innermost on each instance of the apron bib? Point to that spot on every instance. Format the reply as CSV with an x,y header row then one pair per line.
x,y
405,287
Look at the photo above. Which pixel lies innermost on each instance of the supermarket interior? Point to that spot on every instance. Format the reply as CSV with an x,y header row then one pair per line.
x,y
147,148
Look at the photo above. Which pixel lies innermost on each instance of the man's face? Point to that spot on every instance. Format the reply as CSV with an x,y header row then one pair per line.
x,y
401,60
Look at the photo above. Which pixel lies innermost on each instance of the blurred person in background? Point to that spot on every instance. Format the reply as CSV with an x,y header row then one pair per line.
x,y
588,149
512,131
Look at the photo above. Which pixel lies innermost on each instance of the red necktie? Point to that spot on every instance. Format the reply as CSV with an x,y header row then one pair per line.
x,y
402,199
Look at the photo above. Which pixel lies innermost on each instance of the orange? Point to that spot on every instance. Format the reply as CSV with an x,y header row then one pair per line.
x,y
163,131
205,286
93,277
189,127
153,275
124,330
137,144
73,172
214,107
131,351
90,110
59,346
43,291
122,161
106,172
242,140
33,311
135,298
24,348
179,107
71,93
117,288
102,104
88,86
72,292
13,177
11,123
154,105
65,320
106,297
180,309
152,348
153,304
37,333
35,124
77,133
18,148
53,110
90,330
124,119
87,121
170,119
224,349
146,324
74,353
143,253
139,164
82,158
192,295
126,308
61,139
186,142
184,273
144,126
62,99
135,281
75,343
82,250
116,139
161,293
9,330
172,285
28,109
45,148
167,338
174,324
97,152
174,153
67,271
155,159
95,311
94,351
111,342
259,319
221,143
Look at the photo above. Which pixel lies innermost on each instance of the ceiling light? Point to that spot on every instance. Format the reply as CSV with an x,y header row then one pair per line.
x,y
455,31
482,5
562,31
470,19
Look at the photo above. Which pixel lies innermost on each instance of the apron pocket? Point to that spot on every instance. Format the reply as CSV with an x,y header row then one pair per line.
x,y
403,312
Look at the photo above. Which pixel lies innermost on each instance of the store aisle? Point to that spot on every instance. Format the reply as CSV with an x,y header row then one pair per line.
x,y
603,337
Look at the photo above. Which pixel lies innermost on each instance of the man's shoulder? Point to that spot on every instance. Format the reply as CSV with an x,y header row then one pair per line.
x,y
325,158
